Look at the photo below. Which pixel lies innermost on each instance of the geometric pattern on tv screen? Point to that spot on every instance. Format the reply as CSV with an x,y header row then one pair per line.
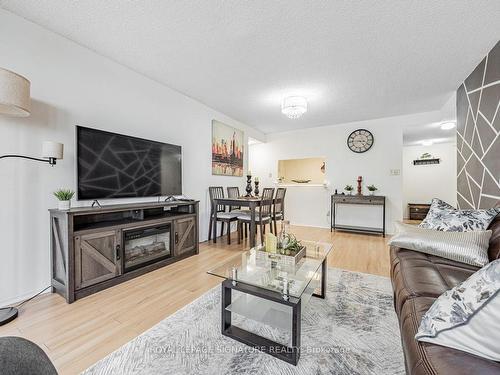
x,y
118,166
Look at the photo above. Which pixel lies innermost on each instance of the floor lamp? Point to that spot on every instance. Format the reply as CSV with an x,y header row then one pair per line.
x,y
15,102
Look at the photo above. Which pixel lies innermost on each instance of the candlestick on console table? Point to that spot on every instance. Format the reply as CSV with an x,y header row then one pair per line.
x,y
256,190
360,179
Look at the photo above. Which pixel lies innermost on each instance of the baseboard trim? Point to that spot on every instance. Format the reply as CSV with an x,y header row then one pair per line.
x,y
310,226
21,298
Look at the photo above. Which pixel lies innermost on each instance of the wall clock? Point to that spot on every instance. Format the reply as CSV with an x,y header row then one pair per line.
x,y
360,140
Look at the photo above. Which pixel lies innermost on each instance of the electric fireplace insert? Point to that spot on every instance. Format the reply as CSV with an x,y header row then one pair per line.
x,y
143,246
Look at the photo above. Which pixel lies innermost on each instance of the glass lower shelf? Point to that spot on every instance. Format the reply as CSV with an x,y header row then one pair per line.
x,y
261,310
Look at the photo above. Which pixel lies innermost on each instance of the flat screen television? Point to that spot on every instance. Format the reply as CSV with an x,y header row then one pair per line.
x,y
113,165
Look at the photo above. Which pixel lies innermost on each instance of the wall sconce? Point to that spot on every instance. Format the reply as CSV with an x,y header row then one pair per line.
x,y
15,101
51,151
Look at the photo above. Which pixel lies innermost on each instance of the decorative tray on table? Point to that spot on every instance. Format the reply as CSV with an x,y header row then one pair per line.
x,y
286,260
289,253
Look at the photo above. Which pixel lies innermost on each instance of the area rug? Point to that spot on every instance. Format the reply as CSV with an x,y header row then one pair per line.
x,y
353,331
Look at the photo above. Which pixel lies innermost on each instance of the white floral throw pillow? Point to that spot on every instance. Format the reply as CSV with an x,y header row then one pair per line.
x,y
466,317
443,217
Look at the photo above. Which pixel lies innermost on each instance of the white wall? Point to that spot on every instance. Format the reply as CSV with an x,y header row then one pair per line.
x,y
72,85
310,205
421,183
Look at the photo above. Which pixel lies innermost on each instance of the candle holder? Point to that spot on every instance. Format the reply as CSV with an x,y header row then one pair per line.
x,y
360,179
286,289
249,186
256,190
234,275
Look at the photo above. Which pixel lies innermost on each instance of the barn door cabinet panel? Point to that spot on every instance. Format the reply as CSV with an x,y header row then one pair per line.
x,y
87,244
185,237
97,258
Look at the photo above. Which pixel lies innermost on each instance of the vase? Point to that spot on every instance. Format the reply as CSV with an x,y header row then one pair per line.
x,y
372,192
64,205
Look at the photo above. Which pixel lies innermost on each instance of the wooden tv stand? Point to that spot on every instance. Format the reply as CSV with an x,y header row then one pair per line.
x,y
88,249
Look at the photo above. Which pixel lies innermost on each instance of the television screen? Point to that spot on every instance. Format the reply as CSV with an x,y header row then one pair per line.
x,y
113,165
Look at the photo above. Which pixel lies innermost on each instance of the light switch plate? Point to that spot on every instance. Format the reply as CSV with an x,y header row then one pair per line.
x,y
395,172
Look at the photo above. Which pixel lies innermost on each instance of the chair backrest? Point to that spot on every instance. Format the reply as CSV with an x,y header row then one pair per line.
x,y
233,192
216,192
266,201
279,202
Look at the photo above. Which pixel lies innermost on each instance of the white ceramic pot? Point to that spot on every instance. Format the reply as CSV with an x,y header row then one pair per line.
x,y
64,205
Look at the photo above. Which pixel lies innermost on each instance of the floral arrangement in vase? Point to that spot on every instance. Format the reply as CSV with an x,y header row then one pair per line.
x,y
349,189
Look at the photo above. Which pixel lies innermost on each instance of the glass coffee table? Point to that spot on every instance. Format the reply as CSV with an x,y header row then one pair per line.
x,y
261,287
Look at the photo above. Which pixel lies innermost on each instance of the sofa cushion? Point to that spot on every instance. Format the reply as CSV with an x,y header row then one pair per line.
x,y
443,217
418,279
466,247
415,274
424,358
466,317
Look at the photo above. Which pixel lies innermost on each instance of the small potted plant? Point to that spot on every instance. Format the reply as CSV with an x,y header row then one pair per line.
x,y
64,196
349,189
372,189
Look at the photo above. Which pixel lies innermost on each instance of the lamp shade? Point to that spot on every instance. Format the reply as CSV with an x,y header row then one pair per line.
x,y
14,94
52,150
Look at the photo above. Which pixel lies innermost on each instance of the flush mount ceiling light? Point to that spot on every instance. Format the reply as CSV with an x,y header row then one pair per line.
x,y
447,125
427,143
294,106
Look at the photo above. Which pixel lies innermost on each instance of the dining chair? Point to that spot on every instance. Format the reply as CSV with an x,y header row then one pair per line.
x,y
262,216
234,192
217,192
278,207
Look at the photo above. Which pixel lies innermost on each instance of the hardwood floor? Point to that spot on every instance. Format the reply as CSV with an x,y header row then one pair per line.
x,y
76,336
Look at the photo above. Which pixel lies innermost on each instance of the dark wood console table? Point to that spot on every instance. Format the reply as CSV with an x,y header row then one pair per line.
x,y
93,248
369,200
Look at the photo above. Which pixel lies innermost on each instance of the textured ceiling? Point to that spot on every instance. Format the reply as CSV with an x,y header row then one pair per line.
x,y
353,60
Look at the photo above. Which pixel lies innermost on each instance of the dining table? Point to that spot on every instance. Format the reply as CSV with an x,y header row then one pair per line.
x,y
251,202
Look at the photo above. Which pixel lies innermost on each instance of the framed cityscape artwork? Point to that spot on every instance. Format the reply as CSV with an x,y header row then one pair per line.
x,y
227,150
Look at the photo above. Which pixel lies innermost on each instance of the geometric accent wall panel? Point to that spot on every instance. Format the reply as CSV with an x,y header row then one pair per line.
x,y
478,130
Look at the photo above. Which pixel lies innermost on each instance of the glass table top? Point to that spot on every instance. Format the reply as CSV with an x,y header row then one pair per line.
x,y
273,271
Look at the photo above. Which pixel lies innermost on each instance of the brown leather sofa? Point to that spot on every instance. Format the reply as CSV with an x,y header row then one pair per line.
x,y
418,280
